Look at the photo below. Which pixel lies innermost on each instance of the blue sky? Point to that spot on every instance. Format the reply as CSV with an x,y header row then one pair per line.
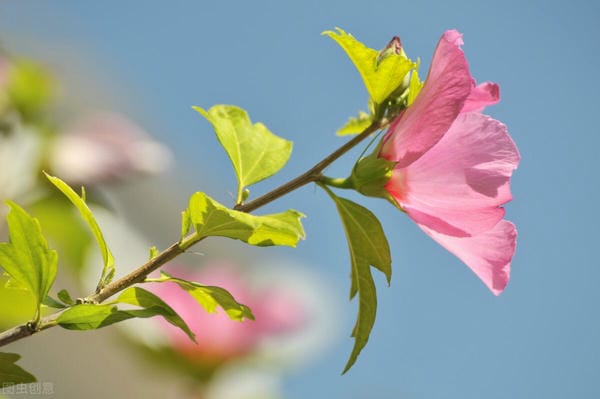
x,y
439,332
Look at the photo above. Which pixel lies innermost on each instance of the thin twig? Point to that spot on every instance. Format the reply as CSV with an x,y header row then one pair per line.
x,y
139,274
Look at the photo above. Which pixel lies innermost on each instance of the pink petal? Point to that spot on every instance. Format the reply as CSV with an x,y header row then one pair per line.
x,y
488,254
481,96
458,186
446,88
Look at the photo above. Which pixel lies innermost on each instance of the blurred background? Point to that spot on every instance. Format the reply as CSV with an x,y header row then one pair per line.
x,y
137,67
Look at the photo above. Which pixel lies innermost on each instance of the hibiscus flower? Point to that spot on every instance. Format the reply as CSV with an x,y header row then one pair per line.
x,y
453,165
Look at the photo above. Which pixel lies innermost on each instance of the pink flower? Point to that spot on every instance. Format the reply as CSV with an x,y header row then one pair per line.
x,y
454,165
220,338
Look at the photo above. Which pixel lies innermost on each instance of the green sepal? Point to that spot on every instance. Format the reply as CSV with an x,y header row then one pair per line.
x,y
26,257
254,151
356,125
209,297
210,218
368,247
10,373
383,72
108,270
91,316
370,175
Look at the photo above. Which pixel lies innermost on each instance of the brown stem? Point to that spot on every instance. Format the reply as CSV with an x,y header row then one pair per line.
x,y
139,274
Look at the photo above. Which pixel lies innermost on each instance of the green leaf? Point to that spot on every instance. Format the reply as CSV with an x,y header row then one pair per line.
x,y
108,270
186,224
255,152
210,218
356,125
368,247
209,297
87,316
381,75
64,296
13,284
10,373
140,297
16,305
153,252
53,303
91,317
27,258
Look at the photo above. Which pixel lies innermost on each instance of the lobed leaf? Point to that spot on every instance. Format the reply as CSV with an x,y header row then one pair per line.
x,y
356,125
26,257
92,316
381,75
140,297
209,297
368,247
88,316
254,151
210,218
10,373
108,270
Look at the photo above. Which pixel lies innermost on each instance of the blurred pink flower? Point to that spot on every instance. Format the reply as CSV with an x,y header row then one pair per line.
x,y
104,147
454,165
220,338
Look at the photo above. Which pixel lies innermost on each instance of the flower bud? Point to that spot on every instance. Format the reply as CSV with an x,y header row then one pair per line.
x,y
396,99
394,47
370,175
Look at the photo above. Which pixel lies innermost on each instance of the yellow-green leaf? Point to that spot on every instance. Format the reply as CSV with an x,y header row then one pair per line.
x,y
356,125
91,316
108,270
382,75
414,88
27,258
210,218
254,151
209,297
140,297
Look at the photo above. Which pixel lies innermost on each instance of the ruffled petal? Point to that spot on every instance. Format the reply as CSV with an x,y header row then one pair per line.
x,y
446,88
481,96
488,254
458,186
